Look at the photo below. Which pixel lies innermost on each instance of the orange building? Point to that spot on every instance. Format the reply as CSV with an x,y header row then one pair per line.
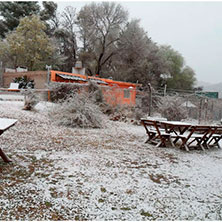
x,y
114,92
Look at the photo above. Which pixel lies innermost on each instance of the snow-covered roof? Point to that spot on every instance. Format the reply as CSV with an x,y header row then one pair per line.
x,y
77,78
188,104
98,81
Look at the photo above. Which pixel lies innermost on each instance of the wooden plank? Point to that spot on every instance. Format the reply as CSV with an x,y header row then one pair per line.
x,y
6,123
4,156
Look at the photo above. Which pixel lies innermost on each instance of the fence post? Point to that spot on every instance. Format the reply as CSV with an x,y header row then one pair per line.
x,y
150,98
165,89
206,109
48,73
200,108
1,75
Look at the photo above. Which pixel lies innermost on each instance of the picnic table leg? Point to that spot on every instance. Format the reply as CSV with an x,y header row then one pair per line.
x,y
217,142
186,147
184,144
199,140
4,157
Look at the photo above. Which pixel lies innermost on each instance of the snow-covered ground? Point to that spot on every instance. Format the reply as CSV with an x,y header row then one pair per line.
x,y
11,97
61,173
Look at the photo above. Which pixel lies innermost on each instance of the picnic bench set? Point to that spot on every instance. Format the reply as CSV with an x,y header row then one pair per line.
x,y
184,135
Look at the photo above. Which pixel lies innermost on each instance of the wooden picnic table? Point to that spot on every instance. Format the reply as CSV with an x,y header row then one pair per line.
x,y
5,124
177,127
191,135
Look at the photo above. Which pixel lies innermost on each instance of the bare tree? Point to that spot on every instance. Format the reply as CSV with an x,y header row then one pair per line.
x,y
66,36
100,27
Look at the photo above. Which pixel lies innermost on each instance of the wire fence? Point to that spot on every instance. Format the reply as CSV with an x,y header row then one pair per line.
x,y
197,105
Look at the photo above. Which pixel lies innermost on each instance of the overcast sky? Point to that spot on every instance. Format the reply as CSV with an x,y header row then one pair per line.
x,y
192,28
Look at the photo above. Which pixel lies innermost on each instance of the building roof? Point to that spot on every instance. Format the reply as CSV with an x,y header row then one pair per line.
x,y
84,78
76,78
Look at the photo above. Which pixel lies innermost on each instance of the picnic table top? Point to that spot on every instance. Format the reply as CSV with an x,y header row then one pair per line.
x,y
6,123
177,123
155,119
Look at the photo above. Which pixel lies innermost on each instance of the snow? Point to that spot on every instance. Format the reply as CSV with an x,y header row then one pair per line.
x,y
61,173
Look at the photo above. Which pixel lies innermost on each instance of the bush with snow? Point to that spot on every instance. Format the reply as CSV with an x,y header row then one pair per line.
x,y
78,110
171,108
31,99
60,91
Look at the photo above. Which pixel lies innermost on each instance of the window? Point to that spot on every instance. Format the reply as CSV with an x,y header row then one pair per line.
x,y
126,93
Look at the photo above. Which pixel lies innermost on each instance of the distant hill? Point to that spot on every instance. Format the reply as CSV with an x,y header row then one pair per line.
x,y
211,87
204,84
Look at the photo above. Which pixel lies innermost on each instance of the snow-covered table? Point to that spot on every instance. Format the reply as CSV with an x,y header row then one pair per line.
x,y
5,124
191,135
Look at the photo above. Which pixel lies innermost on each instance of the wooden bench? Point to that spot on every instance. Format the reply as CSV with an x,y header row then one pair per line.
x,y
196,137
5,124
14,87
215,137
155,133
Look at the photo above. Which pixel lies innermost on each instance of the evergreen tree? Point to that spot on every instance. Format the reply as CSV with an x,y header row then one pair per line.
x,y
28,45
13,11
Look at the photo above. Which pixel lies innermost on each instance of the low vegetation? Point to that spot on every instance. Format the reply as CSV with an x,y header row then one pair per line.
x,y
77,110
30,99
170,108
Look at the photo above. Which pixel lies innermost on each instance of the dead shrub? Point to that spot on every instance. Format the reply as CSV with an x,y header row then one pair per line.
x,y
171,109
31,99
78,110
95,93
59,91
126,114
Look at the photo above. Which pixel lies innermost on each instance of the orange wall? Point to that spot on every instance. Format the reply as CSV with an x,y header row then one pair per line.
x,y
115,96
113,92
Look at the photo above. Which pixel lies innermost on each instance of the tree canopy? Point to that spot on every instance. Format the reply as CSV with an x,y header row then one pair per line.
x,y
182,76
13,11
100,27
100,34
28,45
